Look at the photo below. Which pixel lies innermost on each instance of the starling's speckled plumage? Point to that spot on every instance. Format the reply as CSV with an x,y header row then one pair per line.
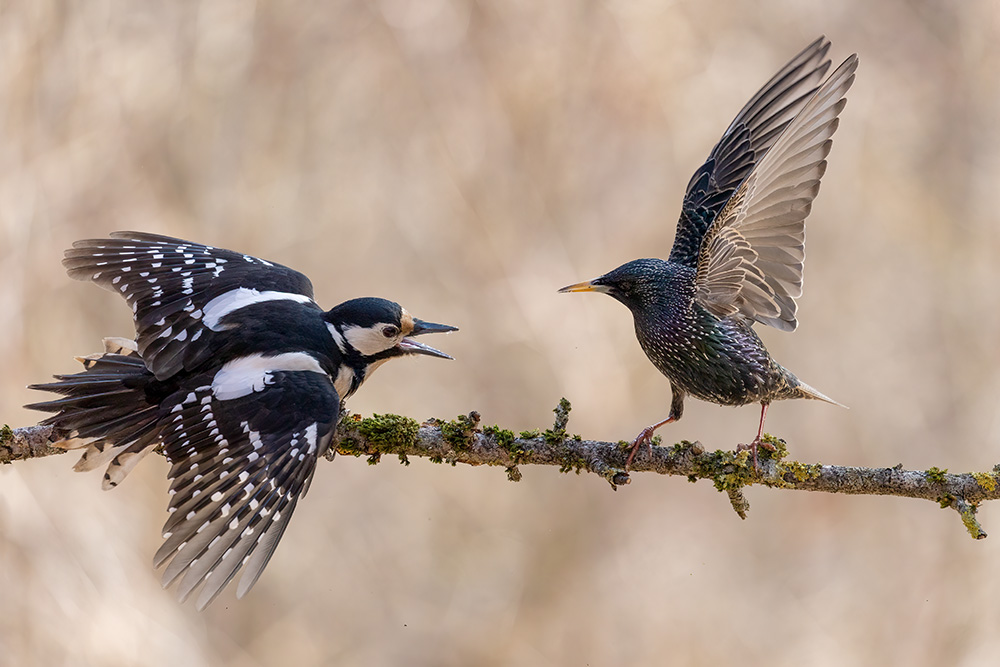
x,y
737,256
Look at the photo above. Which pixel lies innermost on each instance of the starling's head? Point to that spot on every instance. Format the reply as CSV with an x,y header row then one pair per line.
x,y
370,331
635,284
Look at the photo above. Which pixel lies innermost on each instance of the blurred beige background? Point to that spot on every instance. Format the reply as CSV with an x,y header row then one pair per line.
x,y
467,159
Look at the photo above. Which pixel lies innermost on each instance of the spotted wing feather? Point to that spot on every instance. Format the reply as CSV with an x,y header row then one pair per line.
x,y
239,467
169,282
751,134
760,234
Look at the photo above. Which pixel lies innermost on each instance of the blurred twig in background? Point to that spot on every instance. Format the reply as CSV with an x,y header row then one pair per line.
x,y
463,440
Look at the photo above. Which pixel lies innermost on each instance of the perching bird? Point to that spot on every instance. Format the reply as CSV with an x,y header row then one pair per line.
x,y
738,252
238,374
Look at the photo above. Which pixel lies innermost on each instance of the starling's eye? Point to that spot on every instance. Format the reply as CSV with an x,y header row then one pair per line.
x,y
390,331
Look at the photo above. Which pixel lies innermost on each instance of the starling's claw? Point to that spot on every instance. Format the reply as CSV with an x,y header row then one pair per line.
x,y
757,442
752,447
646,436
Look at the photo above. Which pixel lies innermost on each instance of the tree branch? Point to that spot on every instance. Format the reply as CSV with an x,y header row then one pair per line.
x,y
462,440
30,442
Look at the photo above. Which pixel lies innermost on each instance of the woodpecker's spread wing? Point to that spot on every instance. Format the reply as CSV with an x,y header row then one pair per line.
x,y
243,446
180,292
747,139
751,258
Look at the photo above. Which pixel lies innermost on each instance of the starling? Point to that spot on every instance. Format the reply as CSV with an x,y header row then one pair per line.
x,y
238,374
738,251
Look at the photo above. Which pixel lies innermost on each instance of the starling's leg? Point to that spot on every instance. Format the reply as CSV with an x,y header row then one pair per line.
x,y
757,441
646,436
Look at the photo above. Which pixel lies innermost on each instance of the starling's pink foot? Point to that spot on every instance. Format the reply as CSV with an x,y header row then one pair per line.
x,y
646,436
757,442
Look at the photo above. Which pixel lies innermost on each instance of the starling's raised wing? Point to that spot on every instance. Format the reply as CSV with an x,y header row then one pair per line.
x,y
180,290
747,139
243,449
751,258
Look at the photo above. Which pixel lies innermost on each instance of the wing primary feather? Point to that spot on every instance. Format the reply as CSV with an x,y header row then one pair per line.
x,y
765,218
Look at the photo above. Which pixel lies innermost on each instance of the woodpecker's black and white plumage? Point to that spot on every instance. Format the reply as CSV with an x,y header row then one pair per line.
x,y
238,374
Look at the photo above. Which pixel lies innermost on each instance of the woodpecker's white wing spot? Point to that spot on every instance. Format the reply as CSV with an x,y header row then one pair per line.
x,y
311,437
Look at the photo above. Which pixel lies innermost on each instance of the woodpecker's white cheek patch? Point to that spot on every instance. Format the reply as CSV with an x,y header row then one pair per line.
x,y
246,375
241,297
369,341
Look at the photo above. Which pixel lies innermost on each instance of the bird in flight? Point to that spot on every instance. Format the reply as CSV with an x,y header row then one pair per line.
x,y
237,374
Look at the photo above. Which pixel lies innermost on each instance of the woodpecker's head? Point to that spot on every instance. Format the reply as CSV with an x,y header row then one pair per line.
x,y
370,331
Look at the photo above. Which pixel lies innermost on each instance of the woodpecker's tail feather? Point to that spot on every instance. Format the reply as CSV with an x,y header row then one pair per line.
x,y
105,409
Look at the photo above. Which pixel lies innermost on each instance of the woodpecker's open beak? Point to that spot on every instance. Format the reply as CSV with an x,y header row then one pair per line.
x,y
421,327
588,286
410,346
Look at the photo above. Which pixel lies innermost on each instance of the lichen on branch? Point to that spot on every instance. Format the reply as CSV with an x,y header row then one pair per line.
x,y
464,440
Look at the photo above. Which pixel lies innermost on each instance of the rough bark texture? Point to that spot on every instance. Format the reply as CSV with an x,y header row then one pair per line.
x,y
464,440
17,444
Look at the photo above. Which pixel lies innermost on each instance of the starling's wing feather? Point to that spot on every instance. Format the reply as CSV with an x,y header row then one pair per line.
x,y
751,134
180,290
240,465
751,258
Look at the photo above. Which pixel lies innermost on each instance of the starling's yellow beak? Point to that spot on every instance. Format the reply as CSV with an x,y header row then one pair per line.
x,y
587,286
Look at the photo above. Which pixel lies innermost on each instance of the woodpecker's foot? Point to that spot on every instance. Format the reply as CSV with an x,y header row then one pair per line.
x,y
757,442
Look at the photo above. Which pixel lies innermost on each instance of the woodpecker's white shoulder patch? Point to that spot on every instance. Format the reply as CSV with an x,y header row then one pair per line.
x,y
252,373
241,297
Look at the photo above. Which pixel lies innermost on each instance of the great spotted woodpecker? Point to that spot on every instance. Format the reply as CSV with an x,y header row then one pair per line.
x,y
238,374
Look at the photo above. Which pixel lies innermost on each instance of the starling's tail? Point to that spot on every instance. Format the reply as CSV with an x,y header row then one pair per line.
x,y
805,391
106,409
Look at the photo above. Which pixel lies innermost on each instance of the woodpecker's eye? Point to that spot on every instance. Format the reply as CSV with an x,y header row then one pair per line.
x,y
390,331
